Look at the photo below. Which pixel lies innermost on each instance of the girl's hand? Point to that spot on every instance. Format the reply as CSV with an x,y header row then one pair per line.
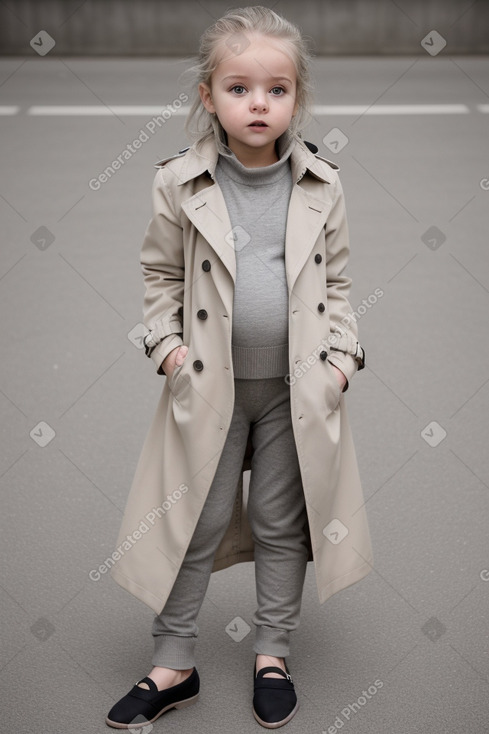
x,y
174,359
339,376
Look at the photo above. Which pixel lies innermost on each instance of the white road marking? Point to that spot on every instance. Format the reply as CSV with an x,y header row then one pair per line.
x,y
101,110
154,111
392,109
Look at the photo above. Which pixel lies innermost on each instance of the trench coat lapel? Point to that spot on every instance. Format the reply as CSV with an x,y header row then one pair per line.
x,y
208,213
307,214
306,217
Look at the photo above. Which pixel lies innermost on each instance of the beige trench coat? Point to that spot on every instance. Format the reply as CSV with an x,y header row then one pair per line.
x,y
189,265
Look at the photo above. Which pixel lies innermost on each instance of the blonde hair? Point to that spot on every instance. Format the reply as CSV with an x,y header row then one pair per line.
x,y
232,28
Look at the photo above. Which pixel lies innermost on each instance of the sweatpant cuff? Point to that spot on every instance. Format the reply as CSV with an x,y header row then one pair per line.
x,y
174,651
272,641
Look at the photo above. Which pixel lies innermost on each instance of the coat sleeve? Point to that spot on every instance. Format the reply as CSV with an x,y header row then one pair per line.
x,y
344,349
162,263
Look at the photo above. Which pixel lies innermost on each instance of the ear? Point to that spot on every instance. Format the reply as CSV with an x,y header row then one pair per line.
x,y
206,97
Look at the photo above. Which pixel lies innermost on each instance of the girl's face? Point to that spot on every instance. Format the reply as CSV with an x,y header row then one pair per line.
x,y
253,94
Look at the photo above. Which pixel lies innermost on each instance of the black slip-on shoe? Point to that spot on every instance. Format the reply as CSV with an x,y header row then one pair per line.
x,y
274,699
141,706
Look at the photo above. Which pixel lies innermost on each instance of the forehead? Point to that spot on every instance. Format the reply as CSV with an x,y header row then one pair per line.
x,y
259,57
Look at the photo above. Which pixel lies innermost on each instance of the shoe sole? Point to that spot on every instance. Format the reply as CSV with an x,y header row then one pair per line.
x,y
177,705
276,724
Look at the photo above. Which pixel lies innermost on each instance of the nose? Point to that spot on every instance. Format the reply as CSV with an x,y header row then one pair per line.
x,y
259,102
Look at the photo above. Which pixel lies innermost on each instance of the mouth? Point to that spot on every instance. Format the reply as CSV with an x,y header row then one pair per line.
x,y
258,123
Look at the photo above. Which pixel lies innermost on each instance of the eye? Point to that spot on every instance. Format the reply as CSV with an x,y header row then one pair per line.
x,y
277,91
238,89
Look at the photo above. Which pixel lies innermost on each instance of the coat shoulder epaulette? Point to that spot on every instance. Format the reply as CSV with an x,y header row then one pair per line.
x,y
332,164
314,149
164,161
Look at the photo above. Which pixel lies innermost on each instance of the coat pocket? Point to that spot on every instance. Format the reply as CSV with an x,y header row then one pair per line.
x,y
172,381
333,390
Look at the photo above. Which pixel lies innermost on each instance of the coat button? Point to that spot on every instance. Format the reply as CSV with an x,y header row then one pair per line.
x,y
198,365
180,311
318,258
323,355
206,266
321,307
202,313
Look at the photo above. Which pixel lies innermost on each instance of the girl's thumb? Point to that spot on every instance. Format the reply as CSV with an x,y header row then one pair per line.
x,y
181,354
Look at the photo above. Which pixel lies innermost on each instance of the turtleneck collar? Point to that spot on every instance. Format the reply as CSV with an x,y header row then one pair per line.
x,y
262,175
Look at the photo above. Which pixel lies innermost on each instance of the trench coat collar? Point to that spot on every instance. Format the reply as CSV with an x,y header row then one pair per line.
x,y
307,213
203,155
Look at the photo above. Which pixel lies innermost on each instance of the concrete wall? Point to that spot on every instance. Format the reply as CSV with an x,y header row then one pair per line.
x,y
173,27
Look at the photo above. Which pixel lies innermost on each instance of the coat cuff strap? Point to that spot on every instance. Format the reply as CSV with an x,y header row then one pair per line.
x,y
347,343
161,350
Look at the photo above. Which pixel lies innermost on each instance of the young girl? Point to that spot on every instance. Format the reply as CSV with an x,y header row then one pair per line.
x,y
248,317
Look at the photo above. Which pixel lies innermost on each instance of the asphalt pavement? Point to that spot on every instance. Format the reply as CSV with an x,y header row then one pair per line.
x,y
406,649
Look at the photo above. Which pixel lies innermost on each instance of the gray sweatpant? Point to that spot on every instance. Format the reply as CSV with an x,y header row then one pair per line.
x,y
278,520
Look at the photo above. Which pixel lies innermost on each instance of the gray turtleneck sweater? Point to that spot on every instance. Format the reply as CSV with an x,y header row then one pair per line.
x,y
257,200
